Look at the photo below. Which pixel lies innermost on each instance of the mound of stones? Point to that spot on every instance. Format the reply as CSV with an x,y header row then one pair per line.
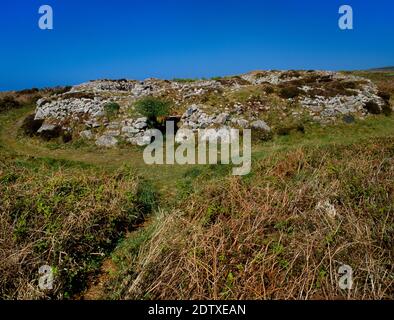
x,y
322,95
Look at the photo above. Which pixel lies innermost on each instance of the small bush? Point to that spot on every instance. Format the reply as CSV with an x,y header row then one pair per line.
x,y
66,136
153,108
384,95
111,109
8,103
372,107
269,89
289,92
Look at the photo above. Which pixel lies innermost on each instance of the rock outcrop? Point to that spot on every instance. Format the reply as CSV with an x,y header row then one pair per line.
x,y
245,101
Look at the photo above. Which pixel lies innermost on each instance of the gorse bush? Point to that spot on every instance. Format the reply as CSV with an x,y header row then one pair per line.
x,y
153,108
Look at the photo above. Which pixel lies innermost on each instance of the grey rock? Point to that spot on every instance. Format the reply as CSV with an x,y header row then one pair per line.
x,y
221,118
129,130
193,108
106,141
112,133
243,123
260,125
113,125
86,134
140,125
141,140
47,127
141,120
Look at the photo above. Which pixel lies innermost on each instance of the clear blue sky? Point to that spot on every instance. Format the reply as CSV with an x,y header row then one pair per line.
x,y
186,38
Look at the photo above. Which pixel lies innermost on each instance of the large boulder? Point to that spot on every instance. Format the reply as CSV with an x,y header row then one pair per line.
x,y
50,131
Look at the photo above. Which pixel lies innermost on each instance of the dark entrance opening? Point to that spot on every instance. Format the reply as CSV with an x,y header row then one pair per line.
x,y
174,119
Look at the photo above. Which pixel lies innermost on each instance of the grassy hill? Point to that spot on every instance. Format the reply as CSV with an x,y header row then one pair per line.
x,y
112,227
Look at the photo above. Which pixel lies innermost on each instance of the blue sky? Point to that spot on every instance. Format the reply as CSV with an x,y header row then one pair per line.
x,y
186,38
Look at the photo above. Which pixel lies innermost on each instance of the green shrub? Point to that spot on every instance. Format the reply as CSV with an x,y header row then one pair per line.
x,y
111,109
153,108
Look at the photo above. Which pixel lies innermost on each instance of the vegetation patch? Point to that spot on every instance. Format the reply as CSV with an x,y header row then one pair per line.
x,y
272,236
153,108
111,109
59,215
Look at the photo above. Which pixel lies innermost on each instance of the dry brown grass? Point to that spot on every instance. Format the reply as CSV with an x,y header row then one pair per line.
x,y
275,235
